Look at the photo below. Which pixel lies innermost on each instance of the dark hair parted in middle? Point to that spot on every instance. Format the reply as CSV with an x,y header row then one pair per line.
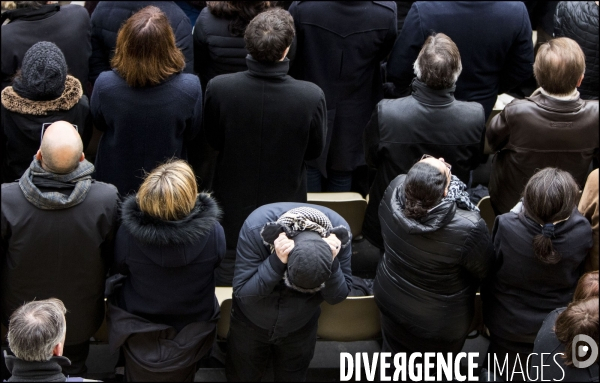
x,y
269,34
438,64
146,53
549,196
423,189
239,12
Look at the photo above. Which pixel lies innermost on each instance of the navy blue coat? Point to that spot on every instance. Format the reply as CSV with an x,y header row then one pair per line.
x,y
110,15
170,263
340,48
142,126
258,287
493,37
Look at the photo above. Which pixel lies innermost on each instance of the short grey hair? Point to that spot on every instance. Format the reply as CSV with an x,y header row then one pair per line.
x,y
438,64
36,328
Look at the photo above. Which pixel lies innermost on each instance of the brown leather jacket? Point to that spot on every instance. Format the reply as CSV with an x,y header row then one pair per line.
x,y
588,207
539,132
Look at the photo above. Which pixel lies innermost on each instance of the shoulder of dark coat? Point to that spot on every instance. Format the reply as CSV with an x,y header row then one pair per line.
x,y
390,5
157,232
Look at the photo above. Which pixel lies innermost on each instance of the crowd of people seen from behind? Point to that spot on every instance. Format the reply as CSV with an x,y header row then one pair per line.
x,y
154,150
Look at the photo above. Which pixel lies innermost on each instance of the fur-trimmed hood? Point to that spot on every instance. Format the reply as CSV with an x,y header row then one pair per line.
x,y
156,232
69,98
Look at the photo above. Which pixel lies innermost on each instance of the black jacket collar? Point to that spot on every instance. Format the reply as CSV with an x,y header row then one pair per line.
x,y
272,70
29,14
49,371
426,95
156,232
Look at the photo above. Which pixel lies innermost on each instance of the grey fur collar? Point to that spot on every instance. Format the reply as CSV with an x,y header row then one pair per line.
x,y
292,286
156,232
70,97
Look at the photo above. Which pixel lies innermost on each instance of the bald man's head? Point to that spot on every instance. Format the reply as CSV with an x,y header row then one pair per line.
x,y
61,149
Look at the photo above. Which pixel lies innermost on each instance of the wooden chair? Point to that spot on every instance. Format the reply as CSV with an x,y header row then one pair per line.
x,y
354,319
224,295
351,206
487,212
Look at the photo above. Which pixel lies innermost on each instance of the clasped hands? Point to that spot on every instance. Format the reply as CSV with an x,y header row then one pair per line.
x,y
283,246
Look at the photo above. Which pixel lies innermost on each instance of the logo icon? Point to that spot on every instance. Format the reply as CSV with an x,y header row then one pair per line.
x,y
582,350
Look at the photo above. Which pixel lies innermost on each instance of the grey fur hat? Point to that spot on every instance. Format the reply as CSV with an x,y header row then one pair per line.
x,y
43,73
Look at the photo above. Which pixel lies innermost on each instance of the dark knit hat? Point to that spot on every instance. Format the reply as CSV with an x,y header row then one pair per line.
x,y
43,73
309,262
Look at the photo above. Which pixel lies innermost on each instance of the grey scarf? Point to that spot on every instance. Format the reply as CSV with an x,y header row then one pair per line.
x,y
457,193
80,178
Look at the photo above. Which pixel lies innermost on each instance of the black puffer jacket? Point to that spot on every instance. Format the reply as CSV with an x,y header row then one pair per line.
x,y
427,279
578,20
170,263
216,50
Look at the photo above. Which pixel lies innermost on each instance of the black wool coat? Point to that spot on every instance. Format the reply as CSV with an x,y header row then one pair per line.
x,y
264,124
142,126
494,40
427,122
62,253
110,15
67,26
340,48
170,264
430,271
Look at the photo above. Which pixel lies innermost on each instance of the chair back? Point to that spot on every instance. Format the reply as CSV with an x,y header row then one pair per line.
x,y
354,319
224,320
487,212
351,206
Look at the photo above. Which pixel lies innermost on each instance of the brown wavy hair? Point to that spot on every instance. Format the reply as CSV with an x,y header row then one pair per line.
x,y
146,53
580,317
240,13
587,286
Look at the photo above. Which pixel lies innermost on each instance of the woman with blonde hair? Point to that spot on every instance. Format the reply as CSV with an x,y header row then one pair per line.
x,y
147,109
168,246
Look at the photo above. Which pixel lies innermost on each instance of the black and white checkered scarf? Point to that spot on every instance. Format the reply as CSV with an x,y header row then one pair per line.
x,y
306,218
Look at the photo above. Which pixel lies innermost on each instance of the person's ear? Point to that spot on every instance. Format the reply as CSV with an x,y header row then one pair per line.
x,y
285,53
58,349
342,234
38,155
580,80
82,157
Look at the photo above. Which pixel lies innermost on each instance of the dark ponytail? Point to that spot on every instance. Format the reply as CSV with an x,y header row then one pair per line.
x,y
423,189
549,196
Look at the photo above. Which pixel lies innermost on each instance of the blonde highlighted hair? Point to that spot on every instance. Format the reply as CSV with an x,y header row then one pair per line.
x,y
169,192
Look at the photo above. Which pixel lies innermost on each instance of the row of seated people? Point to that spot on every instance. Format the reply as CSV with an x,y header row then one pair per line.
x,y
61,230
267,127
